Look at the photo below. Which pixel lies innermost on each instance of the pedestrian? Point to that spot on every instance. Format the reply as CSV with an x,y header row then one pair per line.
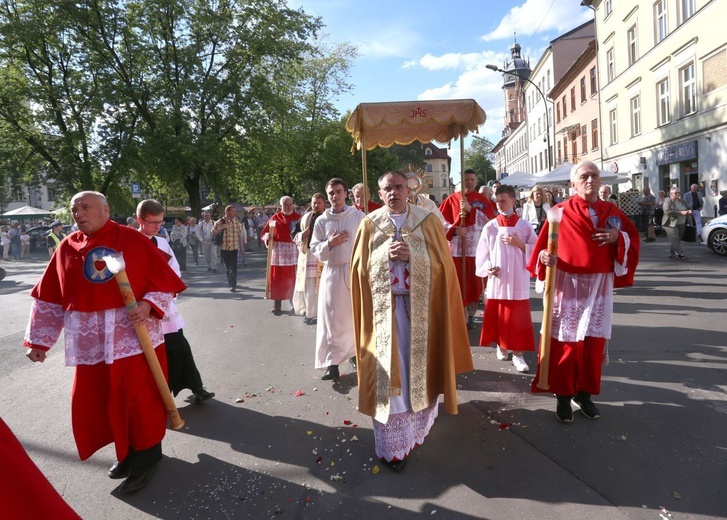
x,y
463,234
535,210
5,242
54,237
598,249
284,253
232,234
260,220
14,236
193,239
308,271
178,237
403,281
647,202
24,242
204,234
722,203
332,244
115,397
357,194
604,193
676,214
503,250
694,201
181,369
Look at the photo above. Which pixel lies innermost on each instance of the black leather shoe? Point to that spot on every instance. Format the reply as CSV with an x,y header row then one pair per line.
x,y
331,373
563,411
353,362
396,465
137,480
471,323
202,395
583,401
118,470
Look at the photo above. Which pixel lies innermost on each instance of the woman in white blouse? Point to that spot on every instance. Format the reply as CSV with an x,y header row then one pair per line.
x,y
535,210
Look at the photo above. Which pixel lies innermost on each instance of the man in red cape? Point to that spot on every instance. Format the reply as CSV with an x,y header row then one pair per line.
x,y
479,211
284,254
598,249
115,398
357,191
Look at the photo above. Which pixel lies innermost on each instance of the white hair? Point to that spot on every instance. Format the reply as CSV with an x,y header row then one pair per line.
x,y
97,194
284,198
585,164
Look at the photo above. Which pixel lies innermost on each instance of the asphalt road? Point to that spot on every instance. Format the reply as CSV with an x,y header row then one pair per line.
x,y
277,442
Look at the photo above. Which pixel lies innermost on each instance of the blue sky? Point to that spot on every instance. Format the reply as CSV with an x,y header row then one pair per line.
x,y
438,50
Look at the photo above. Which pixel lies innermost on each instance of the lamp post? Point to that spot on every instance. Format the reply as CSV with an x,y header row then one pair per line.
x,y
545,102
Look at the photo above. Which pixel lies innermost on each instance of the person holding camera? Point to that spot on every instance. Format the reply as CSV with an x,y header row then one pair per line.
x,y
233,234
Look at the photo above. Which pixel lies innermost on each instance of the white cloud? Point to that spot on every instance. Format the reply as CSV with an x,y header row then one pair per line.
x,y
535,16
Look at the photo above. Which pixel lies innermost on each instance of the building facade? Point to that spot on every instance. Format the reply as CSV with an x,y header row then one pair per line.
x,y
438,165
663,75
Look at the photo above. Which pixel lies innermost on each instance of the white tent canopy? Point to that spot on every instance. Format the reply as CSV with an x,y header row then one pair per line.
x,y
561,175
522,179
27,212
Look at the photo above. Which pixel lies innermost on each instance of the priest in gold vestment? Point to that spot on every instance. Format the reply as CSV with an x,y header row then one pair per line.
x,y
411,338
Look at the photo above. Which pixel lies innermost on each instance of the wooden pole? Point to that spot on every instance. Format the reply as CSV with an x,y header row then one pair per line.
x,y
365,177
269,271
462,218
148,349
554,217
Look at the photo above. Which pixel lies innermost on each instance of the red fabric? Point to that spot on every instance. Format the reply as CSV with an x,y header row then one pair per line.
x,y
372,206
284,226
507,221
68,277
118,403
578,252
475,284
574,367
24,490
450,209
509,324
282,282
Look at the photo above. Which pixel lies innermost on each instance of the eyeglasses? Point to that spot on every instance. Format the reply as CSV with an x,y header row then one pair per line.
x,y
154,222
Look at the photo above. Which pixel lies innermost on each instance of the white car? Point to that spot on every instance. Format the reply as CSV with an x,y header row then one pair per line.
x,y
714,234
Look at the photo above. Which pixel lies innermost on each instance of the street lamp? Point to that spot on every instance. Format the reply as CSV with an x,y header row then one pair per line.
x,y
545,102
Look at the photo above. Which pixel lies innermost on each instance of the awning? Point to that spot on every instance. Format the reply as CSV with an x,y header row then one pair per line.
x,y
403,122
519,179
27,212
561,175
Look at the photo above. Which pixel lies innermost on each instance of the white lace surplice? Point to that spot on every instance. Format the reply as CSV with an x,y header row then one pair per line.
x,y
92,337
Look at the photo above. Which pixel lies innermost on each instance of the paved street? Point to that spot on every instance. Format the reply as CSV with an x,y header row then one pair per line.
x,y
277,442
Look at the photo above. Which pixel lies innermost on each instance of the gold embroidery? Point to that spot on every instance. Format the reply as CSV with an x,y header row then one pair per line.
x,y
419,286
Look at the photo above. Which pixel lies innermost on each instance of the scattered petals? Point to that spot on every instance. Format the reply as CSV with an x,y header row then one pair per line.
x,y
354,438
375,470
309,432
505,426
337,477
346,422
299,393
677,495
318,460
239,400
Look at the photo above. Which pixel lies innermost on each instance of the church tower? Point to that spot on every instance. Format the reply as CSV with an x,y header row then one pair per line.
x,y
513,88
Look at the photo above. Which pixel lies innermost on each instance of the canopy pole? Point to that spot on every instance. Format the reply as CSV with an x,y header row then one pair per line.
x,y
365,207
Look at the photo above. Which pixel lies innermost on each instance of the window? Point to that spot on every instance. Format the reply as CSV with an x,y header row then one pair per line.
x,y
584,139
444,167
429,168
583,89
613,126
427,151
663,115
607,8
661,29
609,65
565,113
557,111
18,193
565,147
547,77
635,116
574,150
52,195
687,9
559,155
594,134
594,85
632,38
541,160
688,90
572,99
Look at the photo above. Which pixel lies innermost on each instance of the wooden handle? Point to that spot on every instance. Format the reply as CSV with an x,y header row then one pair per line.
x,y
548,296
148,349
463,250
269,269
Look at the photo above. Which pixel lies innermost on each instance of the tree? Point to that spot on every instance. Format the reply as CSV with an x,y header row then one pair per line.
x,y
479,157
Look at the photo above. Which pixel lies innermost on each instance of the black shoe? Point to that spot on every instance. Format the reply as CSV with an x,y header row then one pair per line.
x,y
209,269
353,362
118,470
214,270
583,401
395,465
202,395
137,480
306,321
313,321
331,373
563,411
471,323
232,289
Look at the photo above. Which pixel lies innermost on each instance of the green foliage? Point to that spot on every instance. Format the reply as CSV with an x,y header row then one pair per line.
x,y
479,157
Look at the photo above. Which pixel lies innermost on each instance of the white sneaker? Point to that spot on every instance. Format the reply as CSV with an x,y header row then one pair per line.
x,y
502,355
519,362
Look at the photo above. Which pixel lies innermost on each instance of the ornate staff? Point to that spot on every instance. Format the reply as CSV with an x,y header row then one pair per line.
x,y
115,263
554,217
269,271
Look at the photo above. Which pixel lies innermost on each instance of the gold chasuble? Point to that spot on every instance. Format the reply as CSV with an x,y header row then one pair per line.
x,y
440,346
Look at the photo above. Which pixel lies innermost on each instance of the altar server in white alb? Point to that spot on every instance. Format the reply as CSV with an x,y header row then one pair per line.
x,y
332,244
503,250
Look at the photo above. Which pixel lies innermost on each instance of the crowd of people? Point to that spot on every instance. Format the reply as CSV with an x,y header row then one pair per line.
x,y
391,291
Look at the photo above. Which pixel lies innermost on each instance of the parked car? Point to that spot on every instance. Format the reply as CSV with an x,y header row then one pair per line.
x,y
38,235
714,234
